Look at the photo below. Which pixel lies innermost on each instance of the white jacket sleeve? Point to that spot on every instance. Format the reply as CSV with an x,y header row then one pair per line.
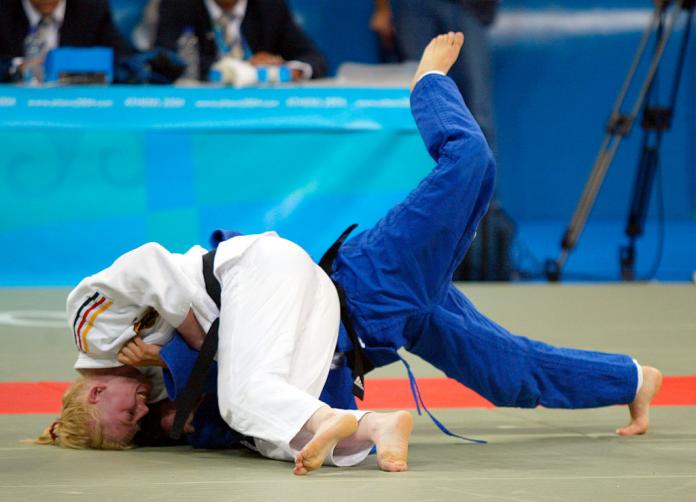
x,y
103,308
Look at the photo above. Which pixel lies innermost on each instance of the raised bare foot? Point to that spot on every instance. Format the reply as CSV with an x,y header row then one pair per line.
x,y
390,433
640,407
331,431
439,55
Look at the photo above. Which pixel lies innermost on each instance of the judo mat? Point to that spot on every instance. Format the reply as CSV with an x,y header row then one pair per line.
x,y
531,455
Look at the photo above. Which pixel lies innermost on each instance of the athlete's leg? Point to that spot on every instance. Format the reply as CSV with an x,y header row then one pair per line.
x,y
405,262
278,328
511,370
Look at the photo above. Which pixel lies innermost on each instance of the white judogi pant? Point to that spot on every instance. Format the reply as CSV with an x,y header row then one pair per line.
x,y
279,323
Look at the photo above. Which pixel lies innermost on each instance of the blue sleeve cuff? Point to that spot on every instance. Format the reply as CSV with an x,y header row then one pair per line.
x,y
221,235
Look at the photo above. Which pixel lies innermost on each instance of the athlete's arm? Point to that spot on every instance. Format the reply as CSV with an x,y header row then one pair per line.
x,y
191,331
104,307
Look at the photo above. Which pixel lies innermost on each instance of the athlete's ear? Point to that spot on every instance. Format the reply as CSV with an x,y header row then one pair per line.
x,y
95,392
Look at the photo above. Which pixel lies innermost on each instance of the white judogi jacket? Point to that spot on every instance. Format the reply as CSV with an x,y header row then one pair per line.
x,y
104,308
278,329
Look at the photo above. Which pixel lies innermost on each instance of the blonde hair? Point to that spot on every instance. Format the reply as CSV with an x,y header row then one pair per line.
x,y
78,425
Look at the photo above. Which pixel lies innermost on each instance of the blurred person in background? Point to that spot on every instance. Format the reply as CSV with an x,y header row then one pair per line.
x,y
57,23
263,32
407,26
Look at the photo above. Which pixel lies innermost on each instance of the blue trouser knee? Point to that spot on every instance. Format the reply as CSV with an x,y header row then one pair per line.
x,y
511,370
407,259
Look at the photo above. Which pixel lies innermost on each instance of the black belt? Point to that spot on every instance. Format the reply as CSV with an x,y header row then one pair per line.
x,y
194,387
358,362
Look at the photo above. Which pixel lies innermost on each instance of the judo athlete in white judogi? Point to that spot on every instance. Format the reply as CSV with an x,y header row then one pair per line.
x,y
280,313
278,331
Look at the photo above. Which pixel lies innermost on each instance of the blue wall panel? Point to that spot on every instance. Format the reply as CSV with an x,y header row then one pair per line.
x,y
71,209
73,197
554,90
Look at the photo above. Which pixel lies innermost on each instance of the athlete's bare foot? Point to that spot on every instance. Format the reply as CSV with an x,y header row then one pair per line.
x,y
390,432
640,407
439,55
338,426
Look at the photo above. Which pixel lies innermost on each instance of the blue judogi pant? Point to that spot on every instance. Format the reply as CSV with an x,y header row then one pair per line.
x,y
397,278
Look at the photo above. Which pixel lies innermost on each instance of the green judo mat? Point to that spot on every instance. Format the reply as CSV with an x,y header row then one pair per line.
x,y
531,455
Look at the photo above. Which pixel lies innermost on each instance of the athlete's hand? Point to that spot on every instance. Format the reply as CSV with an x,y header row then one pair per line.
x,y
265,59
381,23
138,353
191,331
167,414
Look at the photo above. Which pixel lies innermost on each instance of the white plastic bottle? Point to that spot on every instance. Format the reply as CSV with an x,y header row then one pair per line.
x,y
187,50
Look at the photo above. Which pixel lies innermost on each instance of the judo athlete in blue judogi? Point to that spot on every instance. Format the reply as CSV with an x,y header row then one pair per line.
x,y
397,278
398,291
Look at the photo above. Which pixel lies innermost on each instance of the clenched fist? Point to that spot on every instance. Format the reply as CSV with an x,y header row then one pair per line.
x,y
138,353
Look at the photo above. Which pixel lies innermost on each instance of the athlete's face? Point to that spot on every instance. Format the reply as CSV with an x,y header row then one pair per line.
x,y
121,402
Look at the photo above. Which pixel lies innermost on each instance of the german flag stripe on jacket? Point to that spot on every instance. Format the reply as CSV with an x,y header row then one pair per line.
x,y
88,312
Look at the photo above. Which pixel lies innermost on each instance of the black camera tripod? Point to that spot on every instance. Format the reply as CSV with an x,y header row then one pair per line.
x,y
655,121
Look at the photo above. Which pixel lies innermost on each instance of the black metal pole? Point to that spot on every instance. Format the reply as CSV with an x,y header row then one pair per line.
x,y
618,127
656,120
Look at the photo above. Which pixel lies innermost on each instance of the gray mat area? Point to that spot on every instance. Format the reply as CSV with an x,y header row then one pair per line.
x,y
532,454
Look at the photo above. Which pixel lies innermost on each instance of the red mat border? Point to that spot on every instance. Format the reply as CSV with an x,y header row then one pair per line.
x,y
28,398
